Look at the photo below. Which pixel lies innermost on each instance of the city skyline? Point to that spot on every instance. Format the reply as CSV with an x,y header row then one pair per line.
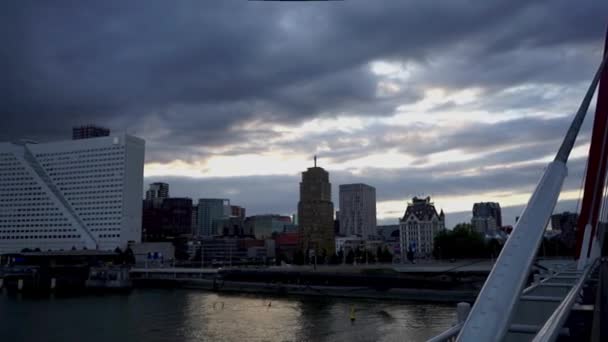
x,y
470,113
304,170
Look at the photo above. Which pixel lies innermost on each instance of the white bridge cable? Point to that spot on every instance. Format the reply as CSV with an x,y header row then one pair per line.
x,y
492,312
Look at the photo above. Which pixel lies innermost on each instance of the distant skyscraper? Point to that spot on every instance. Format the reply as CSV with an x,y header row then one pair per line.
x,y
89,131
487,218
236,211
210,212
357,210
418,227
157,191
316,212
66,194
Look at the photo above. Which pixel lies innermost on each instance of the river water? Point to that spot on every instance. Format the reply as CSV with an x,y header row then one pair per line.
x,y
190,315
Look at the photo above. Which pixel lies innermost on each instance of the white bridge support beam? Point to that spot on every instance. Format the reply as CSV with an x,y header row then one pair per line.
x,y
582,260
494,308
491,314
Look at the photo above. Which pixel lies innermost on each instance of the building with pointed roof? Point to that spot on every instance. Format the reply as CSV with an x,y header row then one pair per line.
x,y
418,227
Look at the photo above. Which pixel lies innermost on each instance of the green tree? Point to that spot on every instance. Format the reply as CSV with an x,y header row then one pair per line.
x,y
460,242
298,257
386,255
350,256
493,248
340,256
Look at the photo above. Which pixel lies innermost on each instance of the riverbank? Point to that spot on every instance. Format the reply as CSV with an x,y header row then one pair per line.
x,y
430,282
427,282
273,289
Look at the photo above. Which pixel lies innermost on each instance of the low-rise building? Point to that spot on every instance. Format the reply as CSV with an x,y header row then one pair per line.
x,y
389,232
153,254
287,244
231,251
418,227
346,243
264,226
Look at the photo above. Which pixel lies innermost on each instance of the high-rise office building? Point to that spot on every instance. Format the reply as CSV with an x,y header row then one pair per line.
x,y
488,209
210,212
316,213
71,194
487,218
237,211
418,227
232,224
89,131
357,210
157,191
173,218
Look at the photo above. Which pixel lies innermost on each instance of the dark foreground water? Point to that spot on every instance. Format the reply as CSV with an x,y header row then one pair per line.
x,y
189,315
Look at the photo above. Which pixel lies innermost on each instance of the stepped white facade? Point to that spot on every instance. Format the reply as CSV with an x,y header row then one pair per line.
x,y
71,194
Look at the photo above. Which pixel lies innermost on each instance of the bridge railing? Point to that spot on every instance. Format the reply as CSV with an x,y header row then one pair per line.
x,y
551,328
448,335
451,334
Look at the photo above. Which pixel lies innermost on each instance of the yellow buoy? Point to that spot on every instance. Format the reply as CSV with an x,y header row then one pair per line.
x,y
352,314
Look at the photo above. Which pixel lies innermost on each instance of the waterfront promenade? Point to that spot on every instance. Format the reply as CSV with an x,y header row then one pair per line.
x,y
430,266
425,281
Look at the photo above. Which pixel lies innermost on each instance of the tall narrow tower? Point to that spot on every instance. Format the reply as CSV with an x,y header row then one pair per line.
x,y
596,167
315,213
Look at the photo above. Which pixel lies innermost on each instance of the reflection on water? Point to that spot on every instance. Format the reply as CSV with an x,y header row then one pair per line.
x,y
185,315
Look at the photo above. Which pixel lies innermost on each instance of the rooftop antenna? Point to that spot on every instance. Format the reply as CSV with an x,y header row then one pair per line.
x,y
315,160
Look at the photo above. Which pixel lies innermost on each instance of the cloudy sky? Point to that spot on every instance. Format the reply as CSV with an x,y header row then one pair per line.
x,y
464,101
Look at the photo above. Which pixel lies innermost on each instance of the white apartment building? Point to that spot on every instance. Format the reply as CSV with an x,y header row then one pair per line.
x,y
71,194
357,210
418,227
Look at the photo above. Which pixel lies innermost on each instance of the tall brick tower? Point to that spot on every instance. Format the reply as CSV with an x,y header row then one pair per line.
x,y
316,213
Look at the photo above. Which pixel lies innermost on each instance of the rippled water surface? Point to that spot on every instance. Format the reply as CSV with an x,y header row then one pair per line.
x,y
190,315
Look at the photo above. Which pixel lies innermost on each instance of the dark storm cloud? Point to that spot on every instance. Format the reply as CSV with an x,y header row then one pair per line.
x,y
202,68
190,76
483,137
503,142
